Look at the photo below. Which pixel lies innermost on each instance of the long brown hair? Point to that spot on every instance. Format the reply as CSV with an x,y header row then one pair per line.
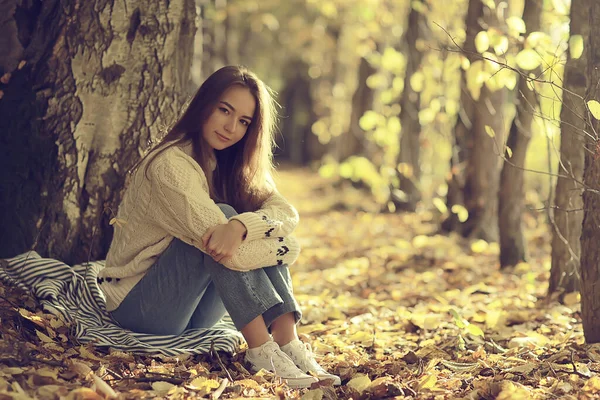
x,y
243,174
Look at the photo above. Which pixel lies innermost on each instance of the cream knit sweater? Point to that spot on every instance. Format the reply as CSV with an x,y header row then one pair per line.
x,y
173,202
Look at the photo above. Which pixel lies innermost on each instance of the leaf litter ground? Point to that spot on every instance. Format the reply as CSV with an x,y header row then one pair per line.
x,y
393,307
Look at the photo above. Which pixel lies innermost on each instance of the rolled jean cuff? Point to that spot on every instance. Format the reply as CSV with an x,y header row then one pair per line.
x,y
281,309
241,318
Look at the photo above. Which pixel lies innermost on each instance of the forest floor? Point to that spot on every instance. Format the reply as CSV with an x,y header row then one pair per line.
x,y
391,306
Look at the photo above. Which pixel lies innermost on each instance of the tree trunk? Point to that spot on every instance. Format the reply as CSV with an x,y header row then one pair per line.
x,y
410,103
214,36
482,170
511,196
568,214
100,80
298,115
590,235
464,124
362,101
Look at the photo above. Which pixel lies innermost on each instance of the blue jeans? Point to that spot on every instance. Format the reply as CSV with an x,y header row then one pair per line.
x,y
187,289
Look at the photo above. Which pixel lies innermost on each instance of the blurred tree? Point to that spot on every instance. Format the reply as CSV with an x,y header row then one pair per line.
x,y
86,84
215,29
409,170
297,143
568,212
479,132
590,234
511,196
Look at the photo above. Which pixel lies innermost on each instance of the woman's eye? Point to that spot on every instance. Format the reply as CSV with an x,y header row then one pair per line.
x,y
244,122
223,109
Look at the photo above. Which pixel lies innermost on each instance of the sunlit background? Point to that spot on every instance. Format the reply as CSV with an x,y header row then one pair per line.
x,y
340,69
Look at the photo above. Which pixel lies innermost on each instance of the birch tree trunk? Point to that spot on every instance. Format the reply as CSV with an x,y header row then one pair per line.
x,y
590,235
513,247
568,213
98,80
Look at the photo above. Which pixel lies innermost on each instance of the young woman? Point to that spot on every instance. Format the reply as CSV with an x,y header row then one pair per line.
x,y
205,232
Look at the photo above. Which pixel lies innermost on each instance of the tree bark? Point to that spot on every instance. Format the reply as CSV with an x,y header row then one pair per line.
x,y
296,138
410,103
362,101
513,248
464,124
568,213
100,80
590,235
482,167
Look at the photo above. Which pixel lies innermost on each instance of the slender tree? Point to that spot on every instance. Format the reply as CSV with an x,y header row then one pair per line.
x,y
590,234
410,103
475,166
513,247
568,213
86,85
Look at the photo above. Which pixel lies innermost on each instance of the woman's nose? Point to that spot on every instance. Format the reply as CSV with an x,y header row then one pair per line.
x,y
230,125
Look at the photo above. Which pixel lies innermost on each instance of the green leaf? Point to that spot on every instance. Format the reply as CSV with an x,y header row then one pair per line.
x,y
474,330
528,59
576,46
490,131
594,108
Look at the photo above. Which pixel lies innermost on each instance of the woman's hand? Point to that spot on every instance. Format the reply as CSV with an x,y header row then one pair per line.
x,y
222,241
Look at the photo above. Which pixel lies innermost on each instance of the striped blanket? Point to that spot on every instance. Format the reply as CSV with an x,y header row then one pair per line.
x,y
72,293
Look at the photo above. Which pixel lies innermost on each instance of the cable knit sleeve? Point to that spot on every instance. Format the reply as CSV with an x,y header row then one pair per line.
x,y
276,218
184,208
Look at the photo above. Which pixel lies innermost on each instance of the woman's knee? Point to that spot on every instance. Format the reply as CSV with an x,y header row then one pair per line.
x,y
227,210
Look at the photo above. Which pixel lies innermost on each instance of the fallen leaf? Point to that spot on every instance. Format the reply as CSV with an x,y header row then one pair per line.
x,y
360,383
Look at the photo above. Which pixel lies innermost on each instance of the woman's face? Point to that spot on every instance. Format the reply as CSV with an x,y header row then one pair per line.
x,y
229,121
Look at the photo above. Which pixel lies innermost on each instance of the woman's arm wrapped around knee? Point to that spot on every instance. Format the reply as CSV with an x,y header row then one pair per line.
x,y
264,253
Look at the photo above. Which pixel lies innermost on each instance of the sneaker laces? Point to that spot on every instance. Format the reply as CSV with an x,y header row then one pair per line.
x,y
282,364
306,359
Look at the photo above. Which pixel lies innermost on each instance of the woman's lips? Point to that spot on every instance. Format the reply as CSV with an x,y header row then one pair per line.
x,y
222,138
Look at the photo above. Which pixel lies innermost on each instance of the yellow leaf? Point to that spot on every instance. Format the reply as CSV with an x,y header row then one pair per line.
x,y
482,41
576,46
202,383
427,382
528,59
461,212
162,388
571,299
490,131
85,353
479,246
360,382
594,107
112,221
440,205
516,25
508,152
56,323
316,394
592,385
43,337
417,81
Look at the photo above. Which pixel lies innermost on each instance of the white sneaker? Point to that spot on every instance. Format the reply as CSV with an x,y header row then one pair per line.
x,y
303,357
270,357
